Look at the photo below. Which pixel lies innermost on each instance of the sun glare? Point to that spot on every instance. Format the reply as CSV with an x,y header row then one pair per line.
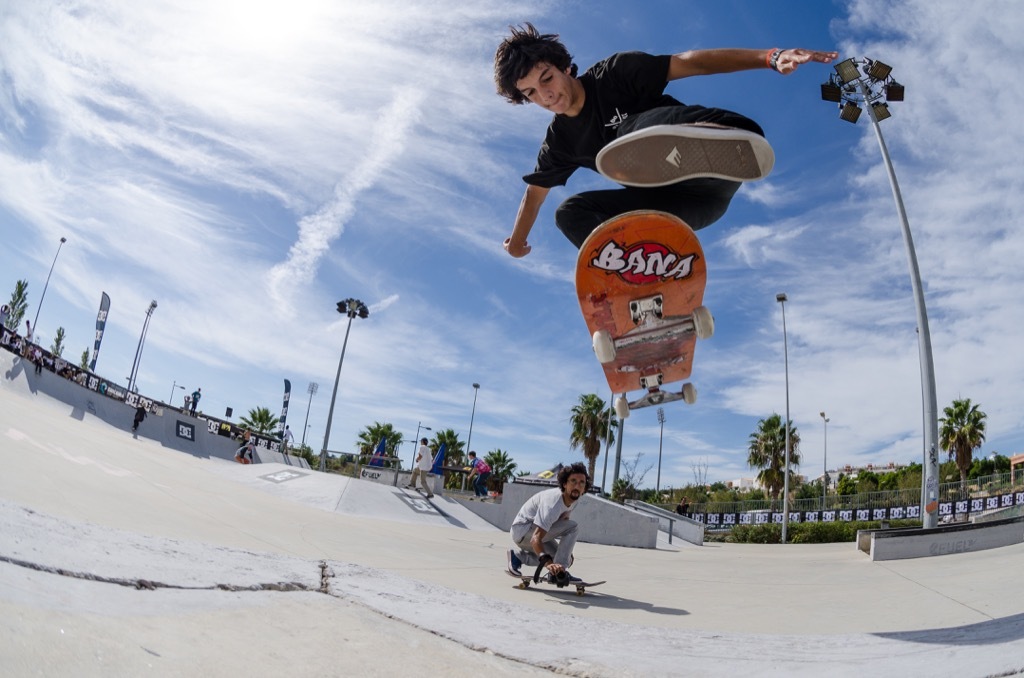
x,y
267,24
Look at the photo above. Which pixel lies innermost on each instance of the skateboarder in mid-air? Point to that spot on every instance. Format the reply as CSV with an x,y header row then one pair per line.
x,y
542,531
621,95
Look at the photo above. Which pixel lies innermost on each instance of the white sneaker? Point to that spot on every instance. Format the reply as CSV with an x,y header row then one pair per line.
x,y
667,154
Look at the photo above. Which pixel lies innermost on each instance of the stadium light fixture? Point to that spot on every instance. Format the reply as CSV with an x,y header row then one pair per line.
x,y
874,88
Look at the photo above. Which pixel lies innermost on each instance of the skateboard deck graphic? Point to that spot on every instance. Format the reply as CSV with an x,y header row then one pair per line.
x,y
640,279
579,586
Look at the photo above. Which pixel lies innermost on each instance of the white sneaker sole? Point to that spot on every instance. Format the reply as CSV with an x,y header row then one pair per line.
x,y
667,154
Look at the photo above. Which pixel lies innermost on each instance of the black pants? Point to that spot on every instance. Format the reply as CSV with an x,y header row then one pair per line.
x,y
698,202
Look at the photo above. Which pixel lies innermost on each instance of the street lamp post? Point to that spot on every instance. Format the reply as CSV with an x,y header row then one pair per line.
x,y
138,351
35,322
607,446
469,438
311,389
782,299
352,308
174,387
869,82
824,463
661,435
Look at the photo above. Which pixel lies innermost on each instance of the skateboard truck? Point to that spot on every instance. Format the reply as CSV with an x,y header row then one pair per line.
x,y
652,381
655,396
642,309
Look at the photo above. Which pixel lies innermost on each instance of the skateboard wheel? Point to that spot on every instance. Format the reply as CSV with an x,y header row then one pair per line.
x,y
622,407
604,346
703,322
689,393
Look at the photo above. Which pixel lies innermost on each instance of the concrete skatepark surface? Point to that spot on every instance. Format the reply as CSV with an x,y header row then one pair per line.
x,y
120,557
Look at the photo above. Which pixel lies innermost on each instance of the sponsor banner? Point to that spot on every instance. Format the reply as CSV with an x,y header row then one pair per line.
x,y
229,430
101,323
952,510
284,407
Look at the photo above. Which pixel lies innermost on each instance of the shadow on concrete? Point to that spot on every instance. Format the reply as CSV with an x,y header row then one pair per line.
x,y
595,598
992,632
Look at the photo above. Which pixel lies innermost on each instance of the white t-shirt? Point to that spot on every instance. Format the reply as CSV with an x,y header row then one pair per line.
x,y
543,509
426,460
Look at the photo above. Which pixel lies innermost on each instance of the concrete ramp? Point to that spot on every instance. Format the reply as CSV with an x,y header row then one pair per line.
x,y
121,557
342,494
169,427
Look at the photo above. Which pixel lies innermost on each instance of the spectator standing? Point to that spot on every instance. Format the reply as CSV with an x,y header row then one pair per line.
x,y
424,460
196,395
286,439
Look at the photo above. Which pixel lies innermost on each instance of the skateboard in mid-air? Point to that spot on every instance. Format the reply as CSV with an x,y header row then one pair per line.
x,y
640,279
527,579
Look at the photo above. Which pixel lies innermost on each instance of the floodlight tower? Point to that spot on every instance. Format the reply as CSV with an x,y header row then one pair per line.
x,y
353,308
869,83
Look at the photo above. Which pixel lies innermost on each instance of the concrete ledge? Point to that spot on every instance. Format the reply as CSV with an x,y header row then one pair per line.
x,y
600,521
939,541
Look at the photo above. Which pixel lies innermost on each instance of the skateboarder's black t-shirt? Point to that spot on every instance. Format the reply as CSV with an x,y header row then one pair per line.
x,y
622,85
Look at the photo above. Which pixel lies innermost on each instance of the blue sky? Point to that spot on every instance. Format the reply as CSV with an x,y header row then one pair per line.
x,y
249,164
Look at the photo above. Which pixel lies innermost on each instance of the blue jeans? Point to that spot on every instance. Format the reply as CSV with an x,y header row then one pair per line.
x,y
480,484
698,202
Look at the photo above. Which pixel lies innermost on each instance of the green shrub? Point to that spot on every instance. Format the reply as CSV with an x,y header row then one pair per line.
x,y
808,533
769,533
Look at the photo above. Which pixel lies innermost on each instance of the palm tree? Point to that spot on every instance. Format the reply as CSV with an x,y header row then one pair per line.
x,y
768,453
454,455
260,420
590,427
502,468
18,304
961,432
369,438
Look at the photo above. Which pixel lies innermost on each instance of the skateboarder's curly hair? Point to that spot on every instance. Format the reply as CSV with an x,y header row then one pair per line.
x,y
520,52
566,471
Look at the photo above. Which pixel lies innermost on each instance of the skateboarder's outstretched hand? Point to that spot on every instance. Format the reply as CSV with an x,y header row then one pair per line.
x,y
517,250
791,58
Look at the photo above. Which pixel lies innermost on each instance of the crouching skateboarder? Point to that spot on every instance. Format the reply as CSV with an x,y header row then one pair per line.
x,y
542,532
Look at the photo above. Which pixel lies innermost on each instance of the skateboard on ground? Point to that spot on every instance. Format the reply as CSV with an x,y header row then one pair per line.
x,y
527,580
640,279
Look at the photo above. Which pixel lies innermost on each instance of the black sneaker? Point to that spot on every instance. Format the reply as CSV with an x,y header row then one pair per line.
x,y
514,564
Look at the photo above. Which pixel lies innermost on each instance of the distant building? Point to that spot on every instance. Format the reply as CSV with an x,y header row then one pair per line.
x,y
852,471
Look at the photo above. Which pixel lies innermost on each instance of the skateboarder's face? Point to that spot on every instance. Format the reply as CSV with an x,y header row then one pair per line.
x,y
552,89
575,486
